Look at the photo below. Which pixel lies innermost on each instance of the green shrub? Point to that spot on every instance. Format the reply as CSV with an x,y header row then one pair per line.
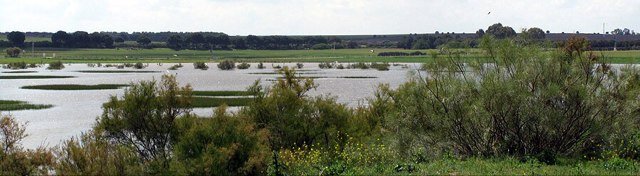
x,y
326,65
227,65
244,65
144,118
299,65
200,65
175,67
139,65
380,66
528,103
261,65
16,65
359,65
220,145
13,52
56,65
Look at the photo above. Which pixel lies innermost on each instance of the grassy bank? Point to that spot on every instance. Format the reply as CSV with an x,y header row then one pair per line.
x,y
75,87
34,77
12,105
20,72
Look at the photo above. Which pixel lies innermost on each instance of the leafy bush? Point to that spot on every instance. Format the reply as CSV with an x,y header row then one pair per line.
x,y
522,105
227,65
16,65
57,65
200,65
14,160
359,65
299,65
380,66
223,144
326,65
175,67
244,65
139,65
261,65
144,118
13,52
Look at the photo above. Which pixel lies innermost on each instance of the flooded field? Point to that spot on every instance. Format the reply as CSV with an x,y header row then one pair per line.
x,y
75,111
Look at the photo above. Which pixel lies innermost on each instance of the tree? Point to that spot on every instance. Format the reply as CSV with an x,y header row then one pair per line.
x,y
480,33
196,40
500,32
536,33
144,41
626,31
16,38
80,39
175,42
13,52
60,39
144,118
239,43
617,31
119,40
14,160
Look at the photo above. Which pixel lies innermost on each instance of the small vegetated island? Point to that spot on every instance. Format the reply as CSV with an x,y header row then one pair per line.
x,y
12,105
76,87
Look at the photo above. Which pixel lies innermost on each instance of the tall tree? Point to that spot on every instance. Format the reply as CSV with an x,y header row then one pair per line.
x,y
175,42
144,41
16,38
480,33
500,32
60,39
536,33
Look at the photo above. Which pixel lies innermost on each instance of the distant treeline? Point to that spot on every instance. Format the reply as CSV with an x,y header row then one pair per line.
x,y
621,39
198,41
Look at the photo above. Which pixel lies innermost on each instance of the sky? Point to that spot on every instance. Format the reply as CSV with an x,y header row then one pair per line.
x,y
316,17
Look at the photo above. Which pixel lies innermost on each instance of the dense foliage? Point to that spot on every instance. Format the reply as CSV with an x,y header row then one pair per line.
x,y
227,65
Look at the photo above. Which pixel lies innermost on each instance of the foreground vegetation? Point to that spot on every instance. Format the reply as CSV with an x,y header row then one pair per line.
x,y
528,112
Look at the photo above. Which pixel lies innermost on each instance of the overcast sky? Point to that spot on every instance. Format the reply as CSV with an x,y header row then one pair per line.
x,y
331,17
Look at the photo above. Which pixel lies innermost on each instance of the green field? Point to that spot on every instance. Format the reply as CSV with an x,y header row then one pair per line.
x,y
29,39
163,55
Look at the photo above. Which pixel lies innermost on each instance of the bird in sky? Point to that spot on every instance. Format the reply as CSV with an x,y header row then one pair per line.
x,y
489,13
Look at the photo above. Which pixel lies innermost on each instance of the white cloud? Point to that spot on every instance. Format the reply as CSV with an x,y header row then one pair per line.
x,y
286,17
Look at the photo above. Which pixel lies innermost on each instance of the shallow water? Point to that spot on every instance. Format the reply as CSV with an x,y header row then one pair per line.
x,y
75,111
